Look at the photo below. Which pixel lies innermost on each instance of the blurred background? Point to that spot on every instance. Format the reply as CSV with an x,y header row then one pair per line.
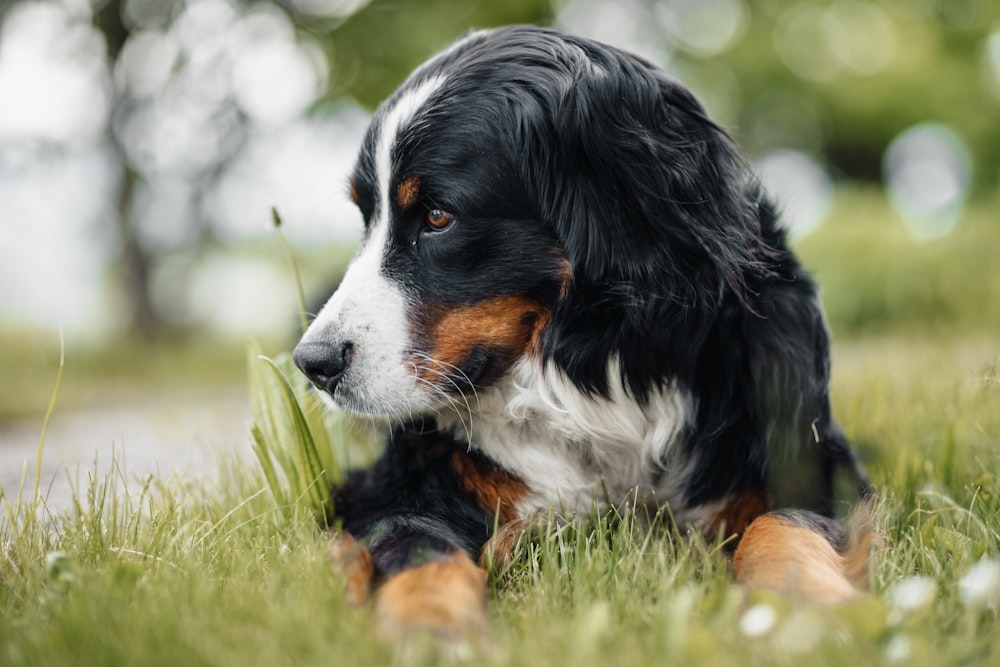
x,y
143,144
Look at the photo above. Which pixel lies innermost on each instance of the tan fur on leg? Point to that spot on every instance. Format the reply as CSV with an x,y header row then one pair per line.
x,y
784,556
446,597
353,561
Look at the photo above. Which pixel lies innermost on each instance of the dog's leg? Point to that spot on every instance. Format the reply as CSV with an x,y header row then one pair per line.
x,y
445,596
353,562
421,583
806,555
422,575
414,524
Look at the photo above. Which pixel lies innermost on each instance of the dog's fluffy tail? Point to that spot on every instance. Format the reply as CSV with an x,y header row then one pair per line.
x,y
808,555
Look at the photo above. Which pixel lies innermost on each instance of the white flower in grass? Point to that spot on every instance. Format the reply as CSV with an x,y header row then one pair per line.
x,y
912,593
758,620
801,632
898,648
980,587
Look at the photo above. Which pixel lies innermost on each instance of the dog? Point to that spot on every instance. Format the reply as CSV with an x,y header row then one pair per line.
x,y
571,290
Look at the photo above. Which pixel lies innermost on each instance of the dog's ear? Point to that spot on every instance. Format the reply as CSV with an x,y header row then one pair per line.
x,y
641,187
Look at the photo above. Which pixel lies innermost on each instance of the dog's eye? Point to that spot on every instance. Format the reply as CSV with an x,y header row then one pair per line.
x,y
439,220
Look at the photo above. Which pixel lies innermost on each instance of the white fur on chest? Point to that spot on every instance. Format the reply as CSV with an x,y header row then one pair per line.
x,y
573,450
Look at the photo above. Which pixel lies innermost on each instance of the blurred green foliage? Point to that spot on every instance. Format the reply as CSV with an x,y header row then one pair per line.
x,y
376,48
97,375
935,72
930,61
876,279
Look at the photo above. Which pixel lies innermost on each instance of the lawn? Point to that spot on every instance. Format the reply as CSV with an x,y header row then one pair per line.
x,y
233,571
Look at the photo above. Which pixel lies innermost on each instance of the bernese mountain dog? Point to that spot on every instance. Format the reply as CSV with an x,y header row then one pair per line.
x,y
571,291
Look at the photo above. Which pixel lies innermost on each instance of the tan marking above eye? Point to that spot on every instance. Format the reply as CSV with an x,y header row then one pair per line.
x,y
407,192
353,191
439,220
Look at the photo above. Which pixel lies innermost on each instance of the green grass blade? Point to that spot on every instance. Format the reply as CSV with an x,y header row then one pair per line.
x,y
48,416
304,439
303,311
285,440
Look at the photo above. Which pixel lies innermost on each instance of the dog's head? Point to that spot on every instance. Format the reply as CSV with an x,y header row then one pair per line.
x,y
528,195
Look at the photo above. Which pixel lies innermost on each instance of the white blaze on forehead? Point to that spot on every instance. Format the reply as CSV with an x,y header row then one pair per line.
x,y
368,310
401,113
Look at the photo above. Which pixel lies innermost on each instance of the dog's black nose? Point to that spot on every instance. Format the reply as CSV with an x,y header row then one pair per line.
x,y
324,363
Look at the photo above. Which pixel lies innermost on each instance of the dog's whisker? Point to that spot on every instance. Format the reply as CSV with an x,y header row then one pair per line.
x,y
456,406
451,380
438,391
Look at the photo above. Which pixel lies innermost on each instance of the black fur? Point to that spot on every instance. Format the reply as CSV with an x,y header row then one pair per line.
x,y
410,506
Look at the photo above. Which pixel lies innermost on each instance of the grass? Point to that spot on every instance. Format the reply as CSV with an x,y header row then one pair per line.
x,y
234,570
115,372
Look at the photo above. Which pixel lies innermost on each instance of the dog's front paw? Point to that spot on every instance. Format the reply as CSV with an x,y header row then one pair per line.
x,y
445,597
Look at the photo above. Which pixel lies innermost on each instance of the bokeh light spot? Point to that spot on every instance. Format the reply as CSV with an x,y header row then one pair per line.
x,y
147,61
861,35
928,171
626,24
991,62
203,22
54,84
703,27
800,186
801,40
302,169
328,8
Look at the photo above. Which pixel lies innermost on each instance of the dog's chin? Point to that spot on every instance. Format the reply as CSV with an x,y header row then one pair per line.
x,y
439,400
345,401
360,403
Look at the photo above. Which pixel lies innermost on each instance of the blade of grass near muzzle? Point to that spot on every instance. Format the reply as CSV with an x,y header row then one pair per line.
x,y
284,441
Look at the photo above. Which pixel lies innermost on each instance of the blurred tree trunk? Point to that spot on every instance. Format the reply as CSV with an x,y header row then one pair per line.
x,y
135,263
